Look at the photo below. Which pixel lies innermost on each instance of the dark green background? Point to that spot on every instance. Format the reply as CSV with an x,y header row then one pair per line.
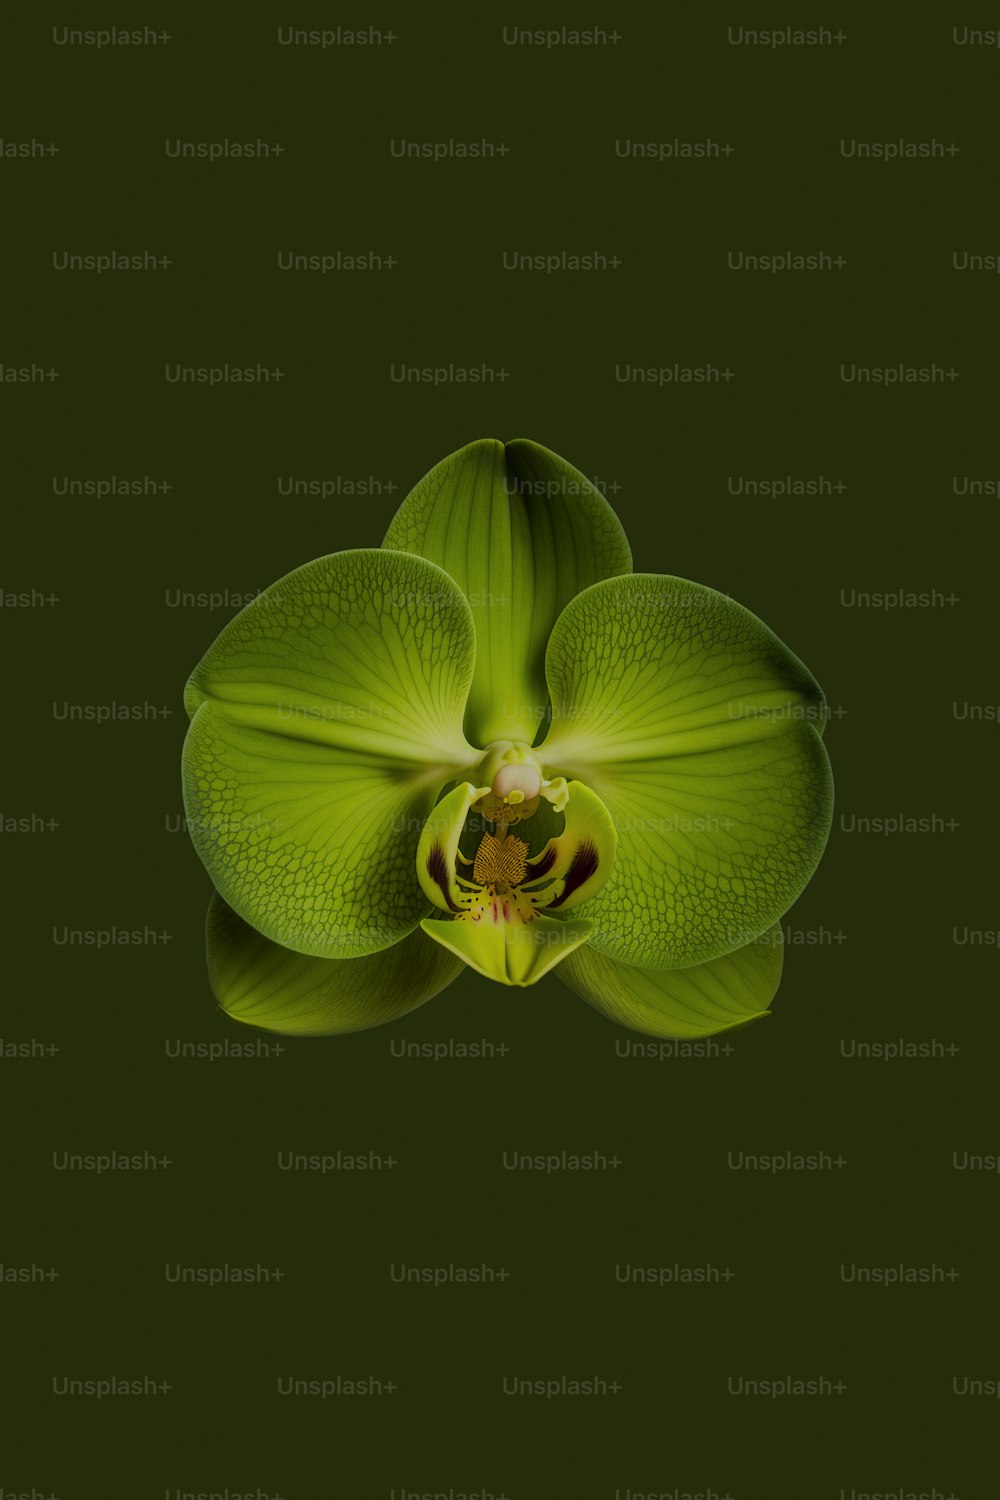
x,y
897,747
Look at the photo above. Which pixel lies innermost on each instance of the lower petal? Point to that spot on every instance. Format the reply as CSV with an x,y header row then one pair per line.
x,y
261,984
684,1003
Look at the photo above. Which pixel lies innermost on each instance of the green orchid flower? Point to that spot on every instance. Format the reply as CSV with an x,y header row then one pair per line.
x,y
490,744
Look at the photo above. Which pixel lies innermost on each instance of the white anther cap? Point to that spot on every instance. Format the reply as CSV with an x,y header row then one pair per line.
x,y
517,778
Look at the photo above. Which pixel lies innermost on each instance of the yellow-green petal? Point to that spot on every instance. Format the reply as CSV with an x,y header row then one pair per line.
x,y
521,531
326,718
684,1003
697,728
263,985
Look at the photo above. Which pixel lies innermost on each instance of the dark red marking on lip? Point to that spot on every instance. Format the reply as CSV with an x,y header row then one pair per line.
x,y
437,869
544,864
581,867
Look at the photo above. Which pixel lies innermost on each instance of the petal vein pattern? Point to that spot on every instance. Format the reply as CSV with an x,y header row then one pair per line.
x,y
521,531
326,719
702,1001
699,731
